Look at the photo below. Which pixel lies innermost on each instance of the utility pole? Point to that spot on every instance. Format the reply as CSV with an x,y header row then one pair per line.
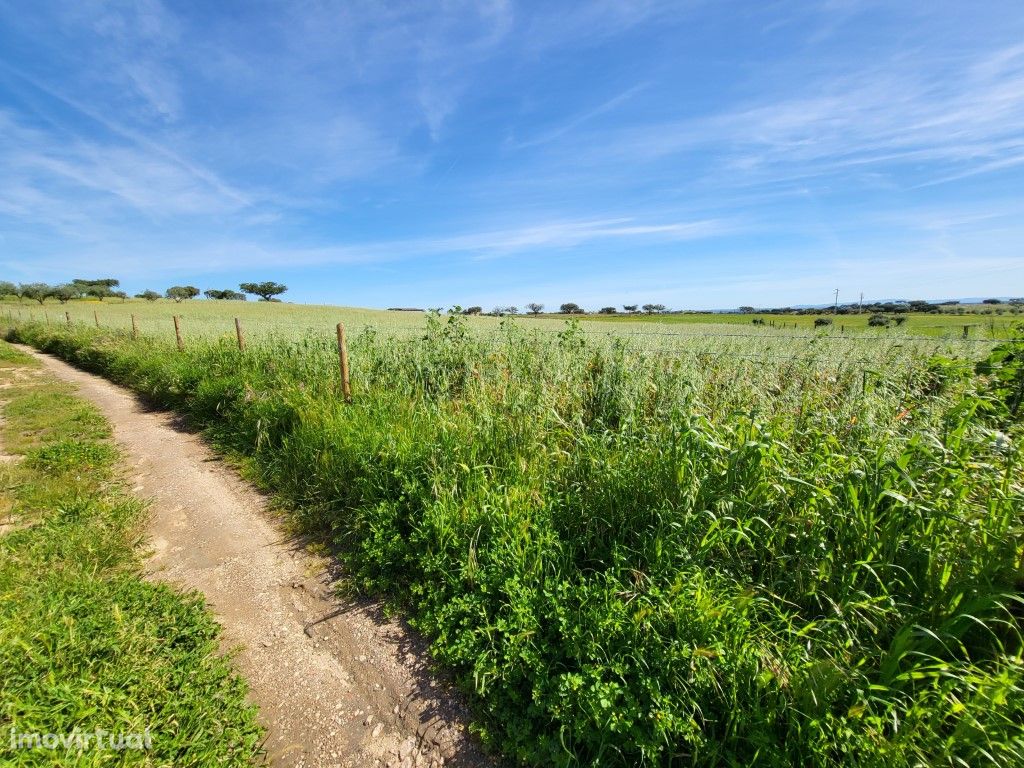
x,y
835,309
860,307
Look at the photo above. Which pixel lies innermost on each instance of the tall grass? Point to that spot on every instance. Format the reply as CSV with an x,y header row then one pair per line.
x,y
211,319
716,552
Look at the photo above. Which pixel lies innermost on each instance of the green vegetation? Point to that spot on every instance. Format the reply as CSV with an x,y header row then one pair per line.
x,y
224,295
772,548
180,293
85,643
211,319
267,290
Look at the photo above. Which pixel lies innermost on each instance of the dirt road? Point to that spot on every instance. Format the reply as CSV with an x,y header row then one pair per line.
x,y
337,684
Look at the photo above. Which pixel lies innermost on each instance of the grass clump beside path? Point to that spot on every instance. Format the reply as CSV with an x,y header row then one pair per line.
x,y
86,644
719,555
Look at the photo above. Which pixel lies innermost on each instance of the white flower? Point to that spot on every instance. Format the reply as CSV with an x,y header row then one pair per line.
x,y
1001,442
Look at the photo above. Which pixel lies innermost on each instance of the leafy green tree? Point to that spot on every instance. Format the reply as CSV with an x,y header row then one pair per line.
x,y
8,288
226,295
148,295
35,291
535,308
182,292
631,308
267,291
607,311
571,308
472,310
99,288
65,293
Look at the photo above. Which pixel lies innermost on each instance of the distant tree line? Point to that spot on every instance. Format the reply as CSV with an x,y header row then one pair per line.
x,y
105,288
875,308
878,308
569,308
78,288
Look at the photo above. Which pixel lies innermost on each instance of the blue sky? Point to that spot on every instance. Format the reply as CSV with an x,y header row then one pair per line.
x,y
696,154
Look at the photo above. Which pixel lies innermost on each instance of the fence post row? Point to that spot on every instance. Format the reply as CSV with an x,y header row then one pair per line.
x,y
346,391
238,334
177,334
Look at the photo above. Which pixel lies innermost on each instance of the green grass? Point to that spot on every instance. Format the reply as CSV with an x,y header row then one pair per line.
x,y
215,319
981,321
773,549
85,642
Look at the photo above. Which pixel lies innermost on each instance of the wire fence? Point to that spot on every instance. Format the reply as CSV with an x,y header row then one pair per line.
x,y
924,344
927,348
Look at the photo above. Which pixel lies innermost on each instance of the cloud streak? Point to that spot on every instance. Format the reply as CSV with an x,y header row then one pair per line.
x,y
965,114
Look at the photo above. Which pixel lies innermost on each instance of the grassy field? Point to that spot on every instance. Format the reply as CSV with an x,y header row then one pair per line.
x,y
209,319
85,643
984,321
706,548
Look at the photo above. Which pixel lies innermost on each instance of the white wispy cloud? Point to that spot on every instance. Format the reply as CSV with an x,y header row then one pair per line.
x,y
560,25
136,40
575,122
144,177
954,117
131,256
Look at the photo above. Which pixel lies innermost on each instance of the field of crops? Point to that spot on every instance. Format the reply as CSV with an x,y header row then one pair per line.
x,y
706,547
215,318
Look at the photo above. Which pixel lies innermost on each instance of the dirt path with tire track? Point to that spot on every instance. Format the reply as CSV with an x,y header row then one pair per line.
x,y
336,682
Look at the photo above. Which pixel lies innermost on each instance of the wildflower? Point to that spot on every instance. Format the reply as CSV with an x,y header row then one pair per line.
x,y
1001,442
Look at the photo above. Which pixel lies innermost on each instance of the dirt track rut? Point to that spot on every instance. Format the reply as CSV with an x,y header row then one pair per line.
x,y
337,683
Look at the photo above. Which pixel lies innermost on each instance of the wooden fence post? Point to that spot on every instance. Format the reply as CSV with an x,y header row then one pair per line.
x,y
135,327
47,314
238,334
67,315
966,329
346,391
177,334
96,317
